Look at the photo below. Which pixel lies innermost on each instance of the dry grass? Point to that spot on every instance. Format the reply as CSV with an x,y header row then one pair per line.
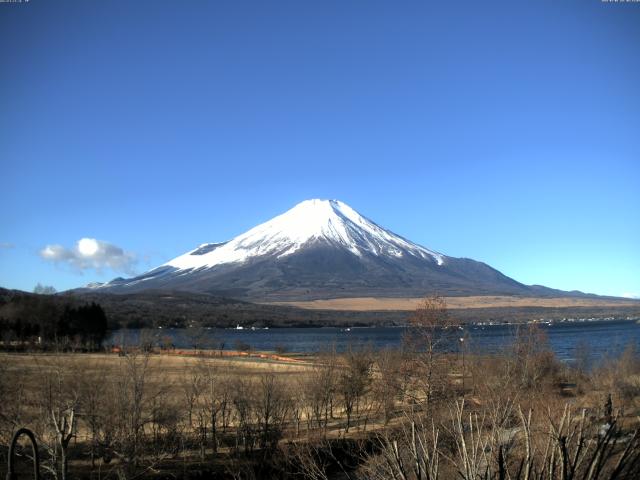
x,y
169,367
408,304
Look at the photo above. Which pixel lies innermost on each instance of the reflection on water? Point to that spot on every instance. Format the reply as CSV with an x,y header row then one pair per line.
x,y
604,338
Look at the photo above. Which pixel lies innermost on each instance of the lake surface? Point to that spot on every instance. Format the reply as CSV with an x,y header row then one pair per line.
x,y
600,338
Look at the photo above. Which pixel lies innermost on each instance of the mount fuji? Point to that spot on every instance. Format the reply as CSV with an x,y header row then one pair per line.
x,y
321,249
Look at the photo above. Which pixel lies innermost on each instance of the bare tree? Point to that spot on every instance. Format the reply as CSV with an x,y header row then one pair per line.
x,y
93,404
199,338
430,328
354,380
271,407
532,359
297,400
320,386
44,289
242,404
191,385
215,397
59,402
13,401
131,399
388,385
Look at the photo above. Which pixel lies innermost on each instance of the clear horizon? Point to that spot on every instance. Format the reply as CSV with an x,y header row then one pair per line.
x,y
505,133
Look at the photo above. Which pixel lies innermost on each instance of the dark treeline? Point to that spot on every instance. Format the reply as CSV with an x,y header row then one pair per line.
x,y
50,321
174,309
154,309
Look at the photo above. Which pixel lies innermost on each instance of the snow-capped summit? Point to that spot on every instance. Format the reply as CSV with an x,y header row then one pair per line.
x,y
319,249
312,221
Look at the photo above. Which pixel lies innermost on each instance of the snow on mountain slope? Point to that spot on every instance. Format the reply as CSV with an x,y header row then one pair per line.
x,y
328,221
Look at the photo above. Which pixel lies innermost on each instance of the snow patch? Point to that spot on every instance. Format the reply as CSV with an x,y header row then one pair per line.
x,y
329,221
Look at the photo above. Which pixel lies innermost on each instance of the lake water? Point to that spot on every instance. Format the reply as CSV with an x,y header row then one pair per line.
x,y
602,338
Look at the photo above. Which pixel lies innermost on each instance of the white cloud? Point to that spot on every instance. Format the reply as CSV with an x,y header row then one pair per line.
x,y
89,253
631,295
6,245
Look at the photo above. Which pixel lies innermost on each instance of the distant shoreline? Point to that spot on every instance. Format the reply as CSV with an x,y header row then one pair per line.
x,y
502,323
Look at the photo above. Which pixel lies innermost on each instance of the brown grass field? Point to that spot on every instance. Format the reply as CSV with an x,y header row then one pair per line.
x,y
408,304
166,369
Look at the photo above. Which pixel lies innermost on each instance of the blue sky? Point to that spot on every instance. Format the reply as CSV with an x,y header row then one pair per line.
x,y
507,132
